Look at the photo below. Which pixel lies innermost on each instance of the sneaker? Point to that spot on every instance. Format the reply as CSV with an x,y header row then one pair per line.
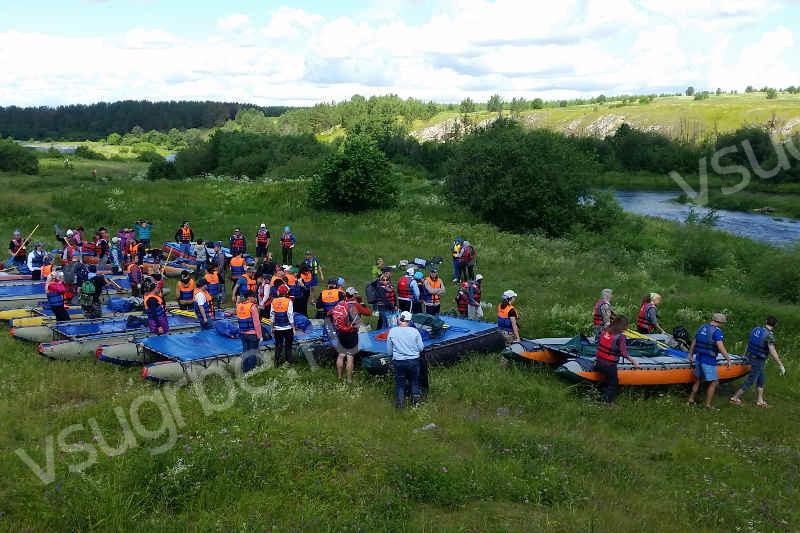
x,y
764,405
736,401
455,280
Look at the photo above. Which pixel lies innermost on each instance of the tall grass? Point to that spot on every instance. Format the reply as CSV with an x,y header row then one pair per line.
x,y
514,449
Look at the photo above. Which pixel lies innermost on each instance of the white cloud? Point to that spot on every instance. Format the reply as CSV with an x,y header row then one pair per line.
x,y
233,22
466,48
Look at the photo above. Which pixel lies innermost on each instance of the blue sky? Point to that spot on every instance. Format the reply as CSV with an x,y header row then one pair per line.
x,y
299,53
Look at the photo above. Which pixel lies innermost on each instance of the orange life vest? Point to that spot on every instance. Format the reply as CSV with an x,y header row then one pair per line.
x,y
244,317
186,234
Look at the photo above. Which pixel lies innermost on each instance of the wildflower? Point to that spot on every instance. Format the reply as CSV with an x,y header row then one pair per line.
x,y
444,469
188,449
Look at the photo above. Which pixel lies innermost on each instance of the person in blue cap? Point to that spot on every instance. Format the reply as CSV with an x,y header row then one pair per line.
x,y
417,304
454,249
288,241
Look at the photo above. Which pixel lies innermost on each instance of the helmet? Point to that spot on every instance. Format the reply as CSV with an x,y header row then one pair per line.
x,y
418,275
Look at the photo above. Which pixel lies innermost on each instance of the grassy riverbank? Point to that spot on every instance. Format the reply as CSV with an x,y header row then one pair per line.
x,y
513,449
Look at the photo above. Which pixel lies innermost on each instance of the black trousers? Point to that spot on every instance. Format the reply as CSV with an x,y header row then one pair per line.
x,y
287,255
283,345
417,307
60,313
432,309
609,370
36,275
404,305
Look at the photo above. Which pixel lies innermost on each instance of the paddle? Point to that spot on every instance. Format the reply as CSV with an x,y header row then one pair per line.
x,y
671,351
28,238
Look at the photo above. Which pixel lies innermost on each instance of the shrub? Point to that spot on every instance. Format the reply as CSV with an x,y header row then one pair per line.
x,y
354,179
15,158
162,169
776,276
150,157
521,180
140,148
84,152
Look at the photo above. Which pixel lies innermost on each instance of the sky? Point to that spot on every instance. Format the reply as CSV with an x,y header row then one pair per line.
x,y
304,52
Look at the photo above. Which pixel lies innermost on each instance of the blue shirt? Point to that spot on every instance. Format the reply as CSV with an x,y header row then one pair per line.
x,y
143,232
404,342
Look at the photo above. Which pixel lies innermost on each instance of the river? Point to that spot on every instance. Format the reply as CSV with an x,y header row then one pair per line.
x,y
763,228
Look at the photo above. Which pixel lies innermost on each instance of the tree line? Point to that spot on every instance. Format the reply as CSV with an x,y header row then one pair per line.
x,y
98,121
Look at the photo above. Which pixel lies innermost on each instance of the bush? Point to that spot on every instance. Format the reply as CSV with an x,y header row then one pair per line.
x,y
521,180
776,276
150,157
84,152
162,170
140,148
114,139
15,158
772,94
354,179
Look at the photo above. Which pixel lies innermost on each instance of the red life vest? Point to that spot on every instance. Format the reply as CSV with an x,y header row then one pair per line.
x,y
286,240
461,301
16,247
186,234
238,243
608,347
642,321
476,292
389,291
404,288
262,238
597,318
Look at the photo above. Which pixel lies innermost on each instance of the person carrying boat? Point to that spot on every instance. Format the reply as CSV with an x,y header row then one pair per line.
x,y
610,347
203,305
184,237
54,288
288,242
474,310
249,330
454,249
35,261
507,317
603,314
262,242
143,231
346,318
155,309
760,346
282,318
238,242
462,300
405,290
16,249
647,322
185,291
405,345
386,303
706,344
432,289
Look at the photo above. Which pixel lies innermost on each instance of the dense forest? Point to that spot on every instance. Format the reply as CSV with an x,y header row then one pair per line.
x,y
97,121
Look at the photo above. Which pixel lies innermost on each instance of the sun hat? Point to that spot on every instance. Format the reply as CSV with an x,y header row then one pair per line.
x,y
719,317
509,294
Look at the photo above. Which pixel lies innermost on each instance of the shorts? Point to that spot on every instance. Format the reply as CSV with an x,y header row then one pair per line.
x,y
348,342
705,372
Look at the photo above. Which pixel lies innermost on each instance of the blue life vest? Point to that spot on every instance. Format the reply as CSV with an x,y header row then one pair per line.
x,y
757,344
705,346
154,311
206,307
55,299
38,259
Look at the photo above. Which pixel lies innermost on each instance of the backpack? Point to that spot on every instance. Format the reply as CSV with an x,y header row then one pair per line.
x,y
81,273
88,290
69,273
341,318
371,292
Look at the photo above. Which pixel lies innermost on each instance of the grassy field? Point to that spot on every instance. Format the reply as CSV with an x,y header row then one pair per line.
x,y
514,449
671,116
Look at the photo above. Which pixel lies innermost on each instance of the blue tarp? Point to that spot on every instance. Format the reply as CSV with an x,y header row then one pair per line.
x,y
208,343
457,327
116,325
34,289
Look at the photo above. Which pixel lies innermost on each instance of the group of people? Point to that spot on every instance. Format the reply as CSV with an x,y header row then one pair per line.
x,y
706,344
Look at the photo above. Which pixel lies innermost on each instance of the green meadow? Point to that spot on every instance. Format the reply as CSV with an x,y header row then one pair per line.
x,y
514,448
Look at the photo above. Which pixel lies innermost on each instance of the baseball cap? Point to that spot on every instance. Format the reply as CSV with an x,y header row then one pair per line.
x,y
509,294
386,269
434,269
308,252
331,281
351,291
16,232
410,271
719,317
405,316
340,281
478,277
263,225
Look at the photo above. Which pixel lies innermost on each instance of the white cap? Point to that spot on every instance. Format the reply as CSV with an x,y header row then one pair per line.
x,y
405,316
410,271
69,233
509,294
263,225
287,267
351,291
115,239
478,277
